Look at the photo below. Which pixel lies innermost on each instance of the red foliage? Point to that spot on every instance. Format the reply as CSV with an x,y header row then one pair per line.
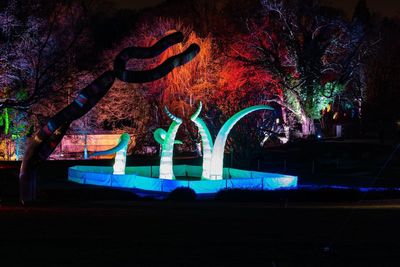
x,y
242,85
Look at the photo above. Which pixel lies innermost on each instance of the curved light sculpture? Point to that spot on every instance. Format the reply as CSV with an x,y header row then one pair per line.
x,y
206,140
217,156
213,154
120,157
167,141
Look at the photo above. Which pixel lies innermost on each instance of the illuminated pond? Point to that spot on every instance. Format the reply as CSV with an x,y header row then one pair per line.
x,y
146,178
211,176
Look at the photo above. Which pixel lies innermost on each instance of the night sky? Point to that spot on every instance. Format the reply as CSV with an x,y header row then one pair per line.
x,y
384,7
136,4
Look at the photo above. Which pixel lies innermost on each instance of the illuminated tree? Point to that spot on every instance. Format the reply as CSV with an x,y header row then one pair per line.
x,y
119,111
180,90
37,53
39,43
307,49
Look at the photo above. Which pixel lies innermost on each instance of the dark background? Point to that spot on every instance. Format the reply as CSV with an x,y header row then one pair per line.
x,y
383,7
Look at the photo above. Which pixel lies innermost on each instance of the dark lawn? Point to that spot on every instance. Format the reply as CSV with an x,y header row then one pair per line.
x,y
206,233
92,227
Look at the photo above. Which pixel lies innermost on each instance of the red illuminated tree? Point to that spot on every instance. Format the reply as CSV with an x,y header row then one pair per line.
x,y
182,89
183,86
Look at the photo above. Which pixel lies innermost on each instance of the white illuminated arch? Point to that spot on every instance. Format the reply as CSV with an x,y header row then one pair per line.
x,y
213,155
217,156
206,140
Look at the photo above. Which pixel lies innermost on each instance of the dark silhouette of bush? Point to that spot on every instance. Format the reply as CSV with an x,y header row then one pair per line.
x,y
9,185
85,193
305,195
182,194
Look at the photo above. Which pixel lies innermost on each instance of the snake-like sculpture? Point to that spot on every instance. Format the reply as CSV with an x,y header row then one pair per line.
x,y
48,137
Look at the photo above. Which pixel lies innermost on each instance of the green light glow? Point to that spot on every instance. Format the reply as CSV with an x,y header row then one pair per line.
x,y
5,121
324,95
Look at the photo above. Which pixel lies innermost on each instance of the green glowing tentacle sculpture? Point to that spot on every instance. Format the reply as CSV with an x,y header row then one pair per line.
x,y
159,135
120,153
167,141
207,142
217,157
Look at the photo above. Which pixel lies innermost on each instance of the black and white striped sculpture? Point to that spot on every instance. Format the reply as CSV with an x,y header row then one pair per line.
x,y
49,136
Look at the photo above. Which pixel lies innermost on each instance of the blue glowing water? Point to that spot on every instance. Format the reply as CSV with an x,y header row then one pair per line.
x,y
141,178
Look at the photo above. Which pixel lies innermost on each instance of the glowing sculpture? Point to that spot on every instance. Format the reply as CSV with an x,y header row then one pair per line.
x,y
140,177
120,154
207,143
49,136
217,157
214,155
167,141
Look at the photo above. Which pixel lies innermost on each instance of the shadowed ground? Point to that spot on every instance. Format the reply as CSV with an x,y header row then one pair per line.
x,y
88,226
202,233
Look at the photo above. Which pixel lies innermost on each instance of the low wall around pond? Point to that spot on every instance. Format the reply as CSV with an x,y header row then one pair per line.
x,y
146,178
